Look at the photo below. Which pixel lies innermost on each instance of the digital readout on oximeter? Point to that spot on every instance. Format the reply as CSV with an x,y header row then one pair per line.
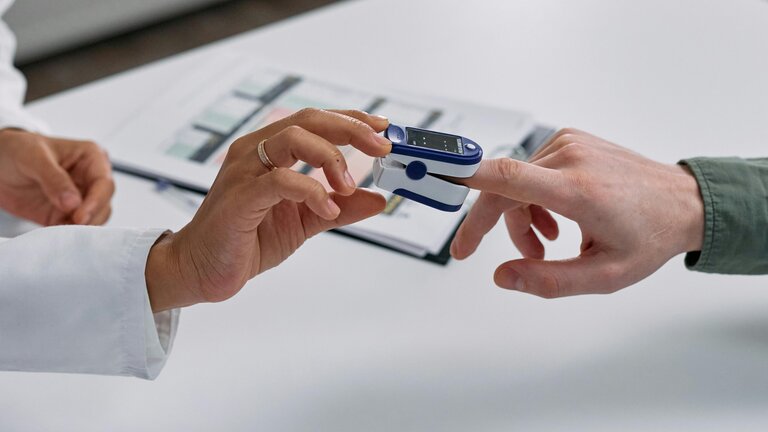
x,y
417,162
435,141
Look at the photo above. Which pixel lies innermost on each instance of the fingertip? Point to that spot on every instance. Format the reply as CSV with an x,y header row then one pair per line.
x,y
325,208
454,250
341,188
378,122
362,204
460,248
555,231
85,219
381,201
457,250
333,209
508,278
383,145
82,217
349,184
458,254
536,252
349,180
378,202
550,233
544,222
69,201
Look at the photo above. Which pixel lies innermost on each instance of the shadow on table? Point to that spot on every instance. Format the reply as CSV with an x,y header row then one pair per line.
x,y
682,374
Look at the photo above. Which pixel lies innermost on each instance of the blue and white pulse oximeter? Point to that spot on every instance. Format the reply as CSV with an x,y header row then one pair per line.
x,y
416,155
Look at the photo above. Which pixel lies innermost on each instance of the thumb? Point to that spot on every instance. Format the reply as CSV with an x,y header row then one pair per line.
x,y
56,183
589,273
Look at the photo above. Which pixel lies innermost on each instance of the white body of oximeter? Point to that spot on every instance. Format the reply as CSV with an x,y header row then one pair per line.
x,y
417,155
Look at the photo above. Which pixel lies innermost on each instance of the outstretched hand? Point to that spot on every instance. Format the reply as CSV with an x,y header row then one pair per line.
x,y
634,214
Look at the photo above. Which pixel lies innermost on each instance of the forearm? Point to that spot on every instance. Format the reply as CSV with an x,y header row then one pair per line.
x,y
735,195
73,299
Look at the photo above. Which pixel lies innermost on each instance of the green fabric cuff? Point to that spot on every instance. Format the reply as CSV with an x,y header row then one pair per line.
x,y
735,194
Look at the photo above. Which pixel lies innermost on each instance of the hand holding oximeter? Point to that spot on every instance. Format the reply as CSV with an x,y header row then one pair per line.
x,y
417,155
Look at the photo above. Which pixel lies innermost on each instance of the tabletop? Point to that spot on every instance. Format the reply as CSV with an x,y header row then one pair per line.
x,y
345,336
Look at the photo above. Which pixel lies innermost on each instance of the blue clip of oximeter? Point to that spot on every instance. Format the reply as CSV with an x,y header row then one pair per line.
x,y
417,156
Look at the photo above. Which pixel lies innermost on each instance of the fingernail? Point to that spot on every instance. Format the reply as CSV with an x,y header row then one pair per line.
x,y
380,117
350,181
333,207
70,200
381,140
520,284
510,279
455,247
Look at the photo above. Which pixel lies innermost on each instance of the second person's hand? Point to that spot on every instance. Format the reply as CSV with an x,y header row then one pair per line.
x,y
54,181
634,215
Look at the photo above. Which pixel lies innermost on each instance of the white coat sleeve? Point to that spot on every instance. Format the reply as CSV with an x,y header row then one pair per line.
x,y
12,85
74,299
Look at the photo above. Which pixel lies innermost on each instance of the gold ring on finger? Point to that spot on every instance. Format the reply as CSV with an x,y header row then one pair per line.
x,y
264,158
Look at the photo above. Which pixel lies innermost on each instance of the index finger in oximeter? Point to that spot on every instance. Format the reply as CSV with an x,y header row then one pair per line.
x,y
416,155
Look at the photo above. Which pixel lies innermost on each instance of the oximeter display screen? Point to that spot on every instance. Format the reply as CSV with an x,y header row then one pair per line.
x,y
435,141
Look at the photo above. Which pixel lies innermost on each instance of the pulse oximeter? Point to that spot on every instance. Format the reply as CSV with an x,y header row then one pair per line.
x,y
417,155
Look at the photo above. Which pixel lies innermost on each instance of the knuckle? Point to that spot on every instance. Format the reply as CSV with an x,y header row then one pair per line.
x,y
335,155
239,147
280,175
307,113
568,131
317,190
362,126
507,169
564,140
574,152
356,124
558,135
356,114
90,146
274,179
293,132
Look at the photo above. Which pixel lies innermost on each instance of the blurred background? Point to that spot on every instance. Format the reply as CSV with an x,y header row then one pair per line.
x,y
65,43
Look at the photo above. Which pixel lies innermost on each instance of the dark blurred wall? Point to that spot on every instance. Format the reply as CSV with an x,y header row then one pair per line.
x,y
153,41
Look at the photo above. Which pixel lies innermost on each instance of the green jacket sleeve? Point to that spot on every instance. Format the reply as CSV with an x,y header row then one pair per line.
x,y
735,193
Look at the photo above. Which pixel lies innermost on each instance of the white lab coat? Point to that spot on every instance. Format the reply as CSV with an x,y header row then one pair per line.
x,y
74,299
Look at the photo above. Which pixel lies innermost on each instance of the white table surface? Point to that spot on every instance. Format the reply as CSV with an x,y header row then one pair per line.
x,y
349,337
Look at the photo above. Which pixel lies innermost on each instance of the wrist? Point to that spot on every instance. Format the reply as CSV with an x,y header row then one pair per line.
x,y
165,279
9,132
6,135
692,210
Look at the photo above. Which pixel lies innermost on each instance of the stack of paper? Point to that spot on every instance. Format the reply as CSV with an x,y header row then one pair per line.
x,y
183,137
